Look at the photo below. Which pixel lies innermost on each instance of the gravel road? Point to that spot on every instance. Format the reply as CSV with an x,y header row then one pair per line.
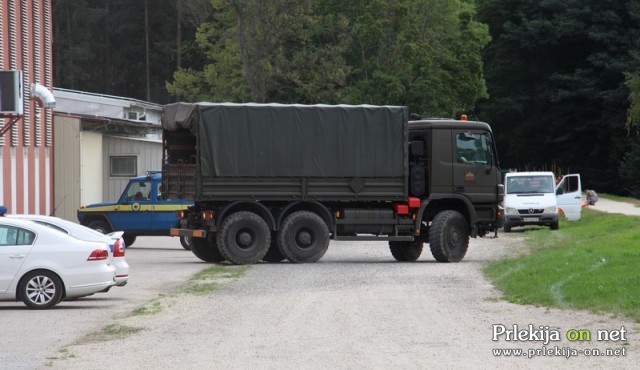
x,y
356,308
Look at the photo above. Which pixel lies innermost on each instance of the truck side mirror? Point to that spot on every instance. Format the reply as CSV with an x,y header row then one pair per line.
x,y
417,148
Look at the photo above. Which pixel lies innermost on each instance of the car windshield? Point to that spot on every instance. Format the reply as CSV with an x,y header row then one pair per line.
x,y
530,185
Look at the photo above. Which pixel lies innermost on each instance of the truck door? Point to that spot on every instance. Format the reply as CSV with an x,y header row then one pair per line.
x,y
569,196
475,172
134,207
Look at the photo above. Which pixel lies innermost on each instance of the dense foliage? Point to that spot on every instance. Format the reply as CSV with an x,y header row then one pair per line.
x,y
556,76
420,53
562,77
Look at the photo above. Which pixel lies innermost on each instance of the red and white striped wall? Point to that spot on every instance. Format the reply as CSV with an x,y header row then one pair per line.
x,y
26,150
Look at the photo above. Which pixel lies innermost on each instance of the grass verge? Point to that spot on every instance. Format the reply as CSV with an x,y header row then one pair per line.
x,y
591,264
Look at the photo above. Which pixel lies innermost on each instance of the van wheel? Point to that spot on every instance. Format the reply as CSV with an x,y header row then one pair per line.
x,y
555,226
406,251
244,238
304,237
206,249
449,236
507,228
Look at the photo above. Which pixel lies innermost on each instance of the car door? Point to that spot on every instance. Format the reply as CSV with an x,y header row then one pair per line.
x,y
15,245
134,208
569,196
164,209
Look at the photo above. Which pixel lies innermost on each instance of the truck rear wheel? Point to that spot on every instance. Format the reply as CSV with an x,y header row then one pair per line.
x,y
244,238
206,249
304,237
449,236
273,254
406,251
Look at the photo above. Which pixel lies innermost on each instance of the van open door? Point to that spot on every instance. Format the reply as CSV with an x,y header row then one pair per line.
x,y
569,196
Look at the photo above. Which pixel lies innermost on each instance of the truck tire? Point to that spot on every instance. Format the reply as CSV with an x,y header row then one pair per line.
x,y
206,249
406,251
99,226
129,239
186,242
449,236
244,238
303,237
273,254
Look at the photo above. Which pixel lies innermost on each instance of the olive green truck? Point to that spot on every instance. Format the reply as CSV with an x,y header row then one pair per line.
x,y
277,182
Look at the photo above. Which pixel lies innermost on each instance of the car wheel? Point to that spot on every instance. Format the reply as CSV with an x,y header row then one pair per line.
x,y
186,242
41,289
206,249
304,237
244,238
507,228
128,239
408,251
100,226
449,236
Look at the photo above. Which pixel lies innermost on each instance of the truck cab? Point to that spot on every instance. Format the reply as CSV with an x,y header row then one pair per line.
x,y
142,210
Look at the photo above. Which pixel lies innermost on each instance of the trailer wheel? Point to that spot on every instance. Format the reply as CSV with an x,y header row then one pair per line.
x,y
449,236
273,254
406,251
304,237
206,249
244,238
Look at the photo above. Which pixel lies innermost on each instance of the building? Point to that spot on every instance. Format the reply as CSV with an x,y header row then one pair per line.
x,y
26,156
100,141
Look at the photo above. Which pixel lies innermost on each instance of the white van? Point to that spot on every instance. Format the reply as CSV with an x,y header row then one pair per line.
x,y
532,198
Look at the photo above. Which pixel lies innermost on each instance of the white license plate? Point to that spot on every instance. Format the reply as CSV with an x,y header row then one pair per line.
x,y
530,219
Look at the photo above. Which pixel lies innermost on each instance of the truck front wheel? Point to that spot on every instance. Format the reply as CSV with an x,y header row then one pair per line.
x,y
206,249
449,236
304,237
244,238
406,251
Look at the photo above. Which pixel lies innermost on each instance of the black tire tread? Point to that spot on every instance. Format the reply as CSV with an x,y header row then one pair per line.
x,y
229,253
308,256
438,232
406,251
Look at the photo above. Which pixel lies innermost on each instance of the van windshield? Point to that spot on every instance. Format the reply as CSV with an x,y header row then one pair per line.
x,y
530,185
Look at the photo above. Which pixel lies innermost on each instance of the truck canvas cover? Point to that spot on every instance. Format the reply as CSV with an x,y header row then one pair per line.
x,y
303,141
294,140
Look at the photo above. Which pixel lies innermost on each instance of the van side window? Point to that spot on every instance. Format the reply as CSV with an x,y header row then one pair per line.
x,y
472,148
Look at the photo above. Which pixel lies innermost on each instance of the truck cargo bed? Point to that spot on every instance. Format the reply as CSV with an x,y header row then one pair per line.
x,y
225,152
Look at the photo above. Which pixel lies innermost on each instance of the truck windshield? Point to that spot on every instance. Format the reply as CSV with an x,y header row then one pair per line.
x,y
530,185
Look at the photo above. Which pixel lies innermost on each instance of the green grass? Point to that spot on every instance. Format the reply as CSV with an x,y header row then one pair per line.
x,y
208,280
592,264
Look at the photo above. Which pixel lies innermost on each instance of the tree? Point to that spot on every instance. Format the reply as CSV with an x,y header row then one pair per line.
x,y
421,53
555,74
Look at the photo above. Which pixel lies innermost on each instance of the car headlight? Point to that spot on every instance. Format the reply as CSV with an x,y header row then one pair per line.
x,y
553,209
511,211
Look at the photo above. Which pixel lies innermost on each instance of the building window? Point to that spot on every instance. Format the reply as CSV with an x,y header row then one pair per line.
x,y
124,166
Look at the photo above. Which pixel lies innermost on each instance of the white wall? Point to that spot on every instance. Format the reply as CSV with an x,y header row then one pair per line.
x,y
91,179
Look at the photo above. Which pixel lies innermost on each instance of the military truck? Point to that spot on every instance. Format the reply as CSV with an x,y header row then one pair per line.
x,y
273,182
142,209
